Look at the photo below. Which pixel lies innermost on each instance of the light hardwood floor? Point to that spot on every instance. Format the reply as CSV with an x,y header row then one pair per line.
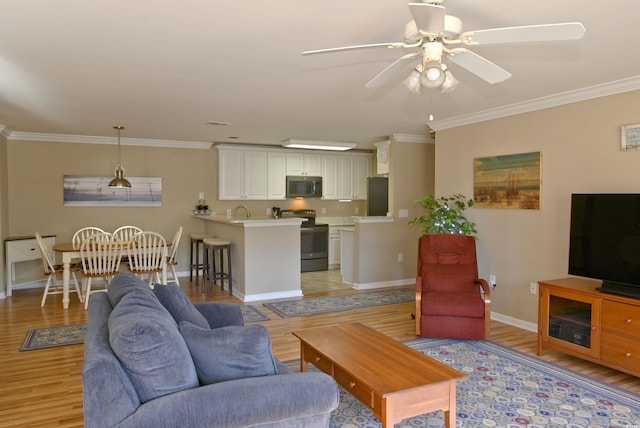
x,y
43,388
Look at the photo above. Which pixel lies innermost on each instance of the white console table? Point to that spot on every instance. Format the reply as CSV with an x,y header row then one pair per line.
x,y
21,249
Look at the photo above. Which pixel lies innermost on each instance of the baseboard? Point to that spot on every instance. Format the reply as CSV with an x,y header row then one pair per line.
x,y
269,296
383,284
525,325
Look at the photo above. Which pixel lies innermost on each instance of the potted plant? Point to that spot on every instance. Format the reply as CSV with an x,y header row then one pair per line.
x,y
445,215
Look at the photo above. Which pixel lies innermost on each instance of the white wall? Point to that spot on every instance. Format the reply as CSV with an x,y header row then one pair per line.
x,y
580,153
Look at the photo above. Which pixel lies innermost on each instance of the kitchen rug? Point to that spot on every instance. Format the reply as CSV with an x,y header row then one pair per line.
x,y
320,305
50,337
251,314
509,389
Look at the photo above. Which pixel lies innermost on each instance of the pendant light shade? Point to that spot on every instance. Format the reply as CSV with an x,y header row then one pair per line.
x,y
119,181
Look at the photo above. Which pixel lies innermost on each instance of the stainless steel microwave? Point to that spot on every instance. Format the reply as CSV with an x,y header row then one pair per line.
x,y
304,186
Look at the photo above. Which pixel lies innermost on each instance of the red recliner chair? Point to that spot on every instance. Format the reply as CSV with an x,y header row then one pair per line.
x,y
451,301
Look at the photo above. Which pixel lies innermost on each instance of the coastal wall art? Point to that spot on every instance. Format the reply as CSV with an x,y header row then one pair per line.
x,y
508,181
88,190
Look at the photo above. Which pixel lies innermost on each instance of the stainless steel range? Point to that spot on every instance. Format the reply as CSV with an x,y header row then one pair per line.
x,y
314,240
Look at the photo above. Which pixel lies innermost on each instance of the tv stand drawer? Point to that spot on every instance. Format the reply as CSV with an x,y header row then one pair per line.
x,y
621,318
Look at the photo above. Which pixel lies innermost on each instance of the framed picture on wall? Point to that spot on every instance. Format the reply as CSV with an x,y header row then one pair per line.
x,y
630,138
508,181
88,190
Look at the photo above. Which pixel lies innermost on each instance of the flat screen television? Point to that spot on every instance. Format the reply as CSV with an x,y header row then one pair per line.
x,y
604,241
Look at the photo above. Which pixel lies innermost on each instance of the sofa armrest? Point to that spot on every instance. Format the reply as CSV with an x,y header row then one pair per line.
x,y
243,403
221,314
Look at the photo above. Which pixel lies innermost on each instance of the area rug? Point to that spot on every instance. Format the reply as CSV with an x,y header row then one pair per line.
x,y
320,305
251,314
508,389
50,337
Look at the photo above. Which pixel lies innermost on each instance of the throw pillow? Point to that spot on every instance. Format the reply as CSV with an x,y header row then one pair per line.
x,y
146,340
232,352
179,306
122,284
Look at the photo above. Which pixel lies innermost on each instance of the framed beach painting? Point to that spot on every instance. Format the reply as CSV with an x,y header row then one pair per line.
x,y
508,181
630,137
89,190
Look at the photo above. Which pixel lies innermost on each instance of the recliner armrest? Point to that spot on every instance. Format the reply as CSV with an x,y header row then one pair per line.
x,y
221,314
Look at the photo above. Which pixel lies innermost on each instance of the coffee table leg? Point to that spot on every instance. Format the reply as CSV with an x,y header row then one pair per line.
x,y
304,365
450,415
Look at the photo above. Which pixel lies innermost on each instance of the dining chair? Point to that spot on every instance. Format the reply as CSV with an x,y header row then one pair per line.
x,y
171,258
147,253
100,254
82,234
51,270
125,233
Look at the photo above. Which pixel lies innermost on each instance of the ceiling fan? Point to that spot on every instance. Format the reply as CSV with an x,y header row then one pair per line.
x,y
438,37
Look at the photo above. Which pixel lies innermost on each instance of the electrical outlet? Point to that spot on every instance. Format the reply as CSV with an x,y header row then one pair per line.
x,y
492,280
324,210
268,211
400,257
357,210
533,287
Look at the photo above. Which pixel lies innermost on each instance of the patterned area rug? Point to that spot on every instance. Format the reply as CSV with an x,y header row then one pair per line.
x,y
50,337
508,389
319,305
251,314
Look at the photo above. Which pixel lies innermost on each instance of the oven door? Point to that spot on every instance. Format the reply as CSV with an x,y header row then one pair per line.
x,y
314,242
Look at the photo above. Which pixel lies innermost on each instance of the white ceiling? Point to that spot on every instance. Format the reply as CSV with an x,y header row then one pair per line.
x,y
164,68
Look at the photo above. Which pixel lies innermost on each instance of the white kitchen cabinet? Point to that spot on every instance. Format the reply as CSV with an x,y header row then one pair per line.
x,y
304,164
352,173
330,177
334,247
277,172
243,174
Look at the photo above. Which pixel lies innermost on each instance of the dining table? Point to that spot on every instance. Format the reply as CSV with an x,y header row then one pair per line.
x,y
69,252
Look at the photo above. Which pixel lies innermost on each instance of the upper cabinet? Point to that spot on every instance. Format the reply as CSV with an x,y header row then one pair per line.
x,y
256,173
304,164
243,174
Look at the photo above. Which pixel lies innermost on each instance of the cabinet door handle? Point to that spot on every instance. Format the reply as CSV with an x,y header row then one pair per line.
x,y
628,354
629,320
352,384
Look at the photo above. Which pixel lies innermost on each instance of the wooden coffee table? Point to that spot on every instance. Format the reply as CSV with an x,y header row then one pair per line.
x,y
390,378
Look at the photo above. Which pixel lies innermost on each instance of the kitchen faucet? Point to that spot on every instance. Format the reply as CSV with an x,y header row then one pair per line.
x,y
246,211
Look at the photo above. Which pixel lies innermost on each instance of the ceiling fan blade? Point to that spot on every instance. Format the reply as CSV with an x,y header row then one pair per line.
x,y
349,48
385,75
428,17
479,66
529,33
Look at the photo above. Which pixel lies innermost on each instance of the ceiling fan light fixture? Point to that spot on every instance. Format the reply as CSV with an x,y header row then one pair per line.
x,y
412,82
433,75
119,181
450,82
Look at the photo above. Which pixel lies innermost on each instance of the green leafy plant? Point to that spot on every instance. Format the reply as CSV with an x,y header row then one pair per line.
x,y
445,215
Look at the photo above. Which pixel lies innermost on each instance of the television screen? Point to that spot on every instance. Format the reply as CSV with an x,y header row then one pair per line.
x,y
604,240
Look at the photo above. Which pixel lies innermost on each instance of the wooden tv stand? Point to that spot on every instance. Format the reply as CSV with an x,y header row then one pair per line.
x,y
576,319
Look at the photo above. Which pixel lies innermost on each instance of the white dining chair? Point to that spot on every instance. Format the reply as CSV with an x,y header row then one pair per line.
x,y
52,270
126,233
100,254
147,253
171,258
82,234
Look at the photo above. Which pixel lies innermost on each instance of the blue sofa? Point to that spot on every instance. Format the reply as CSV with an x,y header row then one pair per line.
x,y
153,359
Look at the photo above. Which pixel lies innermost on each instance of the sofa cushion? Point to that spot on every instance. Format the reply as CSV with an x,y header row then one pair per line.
x,y
124,283
179,306
231,352
146,340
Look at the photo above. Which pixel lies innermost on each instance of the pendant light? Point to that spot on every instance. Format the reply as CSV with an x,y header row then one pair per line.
x,y
119,181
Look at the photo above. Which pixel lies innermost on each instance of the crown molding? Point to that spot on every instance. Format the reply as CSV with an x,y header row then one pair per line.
x,y
88,139
588,93
411,138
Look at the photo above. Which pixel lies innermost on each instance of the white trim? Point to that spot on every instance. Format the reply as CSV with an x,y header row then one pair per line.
x,y
373,219
591,92
412,138
270,296
525,325
92,139
374,285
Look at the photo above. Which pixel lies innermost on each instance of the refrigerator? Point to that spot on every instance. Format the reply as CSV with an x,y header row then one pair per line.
x,y
377,196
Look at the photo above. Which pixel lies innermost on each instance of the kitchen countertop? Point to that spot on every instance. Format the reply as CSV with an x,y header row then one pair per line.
x,y
251,221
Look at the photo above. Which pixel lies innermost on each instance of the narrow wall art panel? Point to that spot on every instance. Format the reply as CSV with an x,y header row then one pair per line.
x,y
509,181
88,190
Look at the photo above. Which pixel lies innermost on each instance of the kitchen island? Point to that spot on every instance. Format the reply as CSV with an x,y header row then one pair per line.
x,y
265,255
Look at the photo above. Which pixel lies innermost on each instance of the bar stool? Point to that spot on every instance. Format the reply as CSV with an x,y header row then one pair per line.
x,y
219,246
196,241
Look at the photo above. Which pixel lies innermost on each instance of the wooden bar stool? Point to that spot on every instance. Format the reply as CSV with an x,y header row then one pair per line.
x,y
211,247
196,242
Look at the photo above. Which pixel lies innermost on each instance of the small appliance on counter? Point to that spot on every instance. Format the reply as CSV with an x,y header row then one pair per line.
x,y
314,240
202,208
275,212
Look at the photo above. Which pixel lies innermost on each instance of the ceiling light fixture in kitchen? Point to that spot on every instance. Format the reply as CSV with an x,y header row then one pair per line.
x,y
296,143
119,181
